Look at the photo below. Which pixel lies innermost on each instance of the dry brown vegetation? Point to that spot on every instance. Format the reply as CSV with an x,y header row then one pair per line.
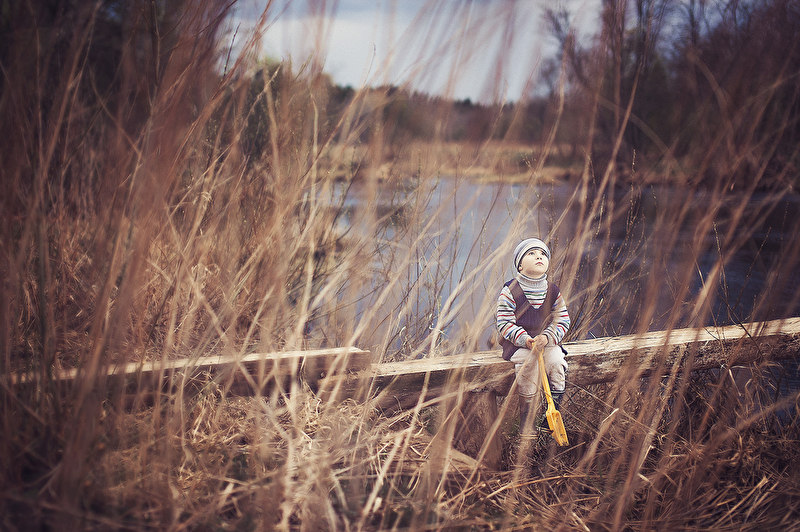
x,y
156,205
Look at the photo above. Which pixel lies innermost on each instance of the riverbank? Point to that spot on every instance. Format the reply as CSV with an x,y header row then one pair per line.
x,y
488,162
510,163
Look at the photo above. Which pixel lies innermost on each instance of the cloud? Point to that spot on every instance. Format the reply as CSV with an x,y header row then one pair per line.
x,y
482,50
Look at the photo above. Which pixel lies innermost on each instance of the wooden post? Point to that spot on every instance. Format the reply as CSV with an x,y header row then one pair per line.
x,y
478,414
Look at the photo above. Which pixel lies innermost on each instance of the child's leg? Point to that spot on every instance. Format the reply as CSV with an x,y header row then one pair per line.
x,y
556,366
526,368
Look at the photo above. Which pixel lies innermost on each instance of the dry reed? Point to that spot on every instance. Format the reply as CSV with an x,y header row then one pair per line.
x,y
183,209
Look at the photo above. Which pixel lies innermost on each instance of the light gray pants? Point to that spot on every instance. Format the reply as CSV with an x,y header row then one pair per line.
x,y
526,367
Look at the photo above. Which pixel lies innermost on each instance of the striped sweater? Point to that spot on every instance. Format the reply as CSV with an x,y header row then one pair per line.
x,y
535,290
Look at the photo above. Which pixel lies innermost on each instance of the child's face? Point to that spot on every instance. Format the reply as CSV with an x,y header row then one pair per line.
x,y
534,263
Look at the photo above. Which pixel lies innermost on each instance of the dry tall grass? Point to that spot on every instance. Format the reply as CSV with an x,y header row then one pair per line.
x,y
139,223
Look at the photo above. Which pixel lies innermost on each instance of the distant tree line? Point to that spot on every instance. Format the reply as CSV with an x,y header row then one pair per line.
x,y
73,72
709,91
712,87
715,85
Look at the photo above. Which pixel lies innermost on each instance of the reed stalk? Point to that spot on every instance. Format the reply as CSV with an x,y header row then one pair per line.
x,y
164,197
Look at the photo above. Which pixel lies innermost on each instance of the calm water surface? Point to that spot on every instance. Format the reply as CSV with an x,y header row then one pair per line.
x,y
468,230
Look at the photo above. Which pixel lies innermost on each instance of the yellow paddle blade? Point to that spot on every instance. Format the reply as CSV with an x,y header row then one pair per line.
x,y
557,426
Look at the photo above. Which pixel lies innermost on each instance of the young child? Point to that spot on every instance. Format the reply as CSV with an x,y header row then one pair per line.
x,y
531,314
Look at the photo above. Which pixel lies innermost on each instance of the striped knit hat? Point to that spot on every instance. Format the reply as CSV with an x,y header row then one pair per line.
x,y
527,245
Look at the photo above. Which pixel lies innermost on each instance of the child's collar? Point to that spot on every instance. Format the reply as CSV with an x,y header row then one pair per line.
x,y
522,278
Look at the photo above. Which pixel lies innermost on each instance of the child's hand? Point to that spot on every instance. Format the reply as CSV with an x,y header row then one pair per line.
x,y
537,342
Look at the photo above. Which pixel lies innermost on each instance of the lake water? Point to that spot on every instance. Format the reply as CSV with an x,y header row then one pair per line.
x,y
640,261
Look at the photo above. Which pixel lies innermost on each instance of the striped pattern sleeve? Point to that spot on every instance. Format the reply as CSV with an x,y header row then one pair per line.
x,y
560,325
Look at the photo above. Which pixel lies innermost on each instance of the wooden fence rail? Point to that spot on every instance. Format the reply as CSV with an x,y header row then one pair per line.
x,y
468,382
597,360
250,374
347,371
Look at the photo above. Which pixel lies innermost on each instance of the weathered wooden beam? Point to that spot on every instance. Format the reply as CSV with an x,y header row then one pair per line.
x,y
246,375
399,384
593,361
602,359
466,386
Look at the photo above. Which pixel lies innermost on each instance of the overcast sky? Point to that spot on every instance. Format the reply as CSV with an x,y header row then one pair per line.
x,y
484,50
